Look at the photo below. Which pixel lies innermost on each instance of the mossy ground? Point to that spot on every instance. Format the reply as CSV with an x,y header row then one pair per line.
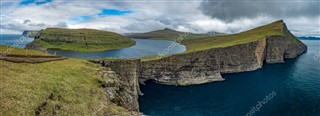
x,y
12,50
65,87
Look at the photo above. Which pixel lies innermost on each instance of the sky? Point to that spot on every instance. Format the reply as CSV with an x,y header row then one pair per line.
x,y
127,16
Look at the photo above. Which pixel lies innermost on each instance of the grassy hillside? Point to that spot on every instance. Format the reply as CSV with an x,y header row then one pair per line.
x,y
11,50
64,87
275,28
82,40
165,34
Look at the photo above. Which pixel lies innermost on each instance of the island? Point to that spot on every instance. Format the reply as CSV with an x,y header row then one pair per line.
x,y
67,86
81,40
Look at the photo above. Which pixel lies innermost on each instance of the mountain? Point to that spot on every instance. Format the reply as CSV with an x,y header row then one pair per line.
x,y
166,34
309,38
277,28
213,33
82,40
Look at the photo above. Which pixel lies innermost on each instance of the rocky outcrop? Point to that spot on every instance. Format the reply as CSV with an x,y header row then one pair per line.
x,y
121,82
33,46
30,58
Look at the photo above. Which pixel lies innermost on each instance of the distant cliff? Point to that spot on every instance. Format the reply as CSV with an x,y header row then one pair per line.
x,y
207,65
30,33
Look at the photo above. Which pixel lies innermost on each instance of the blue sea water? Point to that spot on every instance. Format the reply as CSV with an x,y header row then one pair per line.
x,y
14,40
293,88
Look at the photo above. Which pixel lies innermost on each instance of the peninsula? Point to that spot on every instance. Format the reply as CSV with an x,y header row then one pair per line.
x,y
81,40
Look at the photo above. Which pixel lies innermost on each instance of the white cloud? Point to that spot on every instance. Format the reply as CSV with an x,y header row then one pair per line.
x,y
146,16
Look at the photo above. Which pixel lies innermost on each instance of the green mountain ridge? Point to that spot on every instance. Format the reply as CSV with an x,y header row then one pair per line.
x,y
82,40
166,34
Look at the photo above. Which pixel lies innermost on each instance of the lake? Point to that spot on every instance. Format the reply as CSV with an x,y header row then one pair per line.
x,y
294,87
143,47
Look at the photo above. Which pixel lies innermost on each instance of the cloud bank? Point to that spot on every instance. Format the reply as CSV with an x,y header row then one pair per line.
x,y
230,16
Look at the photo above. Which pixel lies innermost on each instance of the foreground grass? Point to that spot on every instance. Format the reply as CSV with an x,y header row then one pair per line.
x,y
66,87
12,50
82,40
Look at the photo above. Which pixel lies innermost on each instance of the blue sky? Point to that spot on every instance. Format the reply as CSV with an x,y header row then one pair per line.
x,y
104,12
126,16
37,2
79,19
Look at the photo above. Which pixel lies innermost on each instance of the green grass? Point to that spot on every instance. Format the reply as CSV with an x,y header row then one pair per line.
x,y
71,83
82,40
275,28
12,50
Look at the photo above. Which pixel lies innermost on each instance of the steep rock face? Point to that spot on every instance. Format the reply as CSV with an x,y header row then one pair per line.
x,y
123,76
121,82
281,47
208,65
204,66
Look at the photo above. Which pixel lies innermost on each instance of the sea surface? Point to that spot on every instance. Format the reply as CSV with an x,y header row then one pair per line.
x,y
288,89
14,40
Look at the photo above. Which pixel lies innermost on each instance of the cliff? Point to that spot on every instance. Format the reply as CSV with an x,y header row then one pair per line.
x,y
203,65
121,82
30,33
207,65
36,83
